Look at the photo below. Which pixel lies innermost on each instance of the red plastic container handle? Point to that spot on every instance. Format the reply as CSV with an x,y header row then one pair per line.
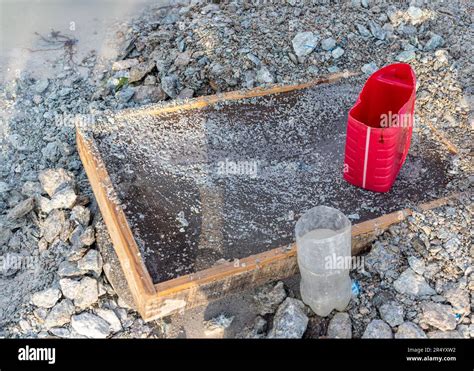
x,y
379,128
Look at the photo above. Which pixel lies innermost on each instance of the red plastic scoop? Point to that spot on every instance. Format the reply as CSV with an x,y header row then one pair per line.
x,y
379,128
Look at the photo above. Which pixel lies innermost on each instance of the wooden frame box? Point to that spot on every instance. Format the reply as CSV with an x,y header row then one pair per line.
x,y
155,300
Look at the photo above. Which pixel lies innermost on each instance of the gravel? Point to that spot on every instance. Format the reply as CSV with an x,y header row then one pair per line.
x,y
419,278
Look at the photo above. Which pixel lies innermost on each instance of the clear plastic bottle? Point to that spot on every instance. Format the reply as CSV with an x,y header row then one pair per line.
x,y
323,240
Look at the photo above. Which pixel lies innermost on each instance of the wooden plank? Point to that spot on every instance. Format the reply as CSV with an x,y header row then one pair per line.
x,y
203,101
137,276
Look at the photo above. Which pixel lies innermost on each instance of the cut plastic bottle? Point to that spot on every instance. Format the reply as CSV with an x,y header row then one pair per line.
x,y
379,128
323,240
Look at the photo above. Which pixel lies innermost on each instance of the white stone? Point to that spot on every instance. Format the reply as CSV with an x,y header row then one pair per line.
x,y
87,293
438,315
110,316
304,43
410,283
60,314
91,326
337,53
92,262
46,298
54,179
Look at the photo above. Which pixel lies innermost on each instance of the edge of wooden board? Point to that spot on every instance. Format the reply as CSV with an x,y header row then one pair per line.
x,y
138,278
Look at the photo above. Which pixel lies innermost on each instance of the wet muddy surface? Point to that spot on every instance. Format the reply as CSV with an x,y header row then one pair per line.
x,y
231,180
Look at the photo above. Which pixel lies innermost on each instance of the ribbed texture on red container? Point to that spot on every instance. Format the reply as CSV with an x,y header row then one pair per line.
x,y
379,128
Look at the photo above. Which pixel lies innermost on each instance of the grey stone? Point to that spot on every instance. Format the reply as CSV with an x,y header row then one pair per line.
x,y
125,94
254,59
112,319
410,283
149,93
21,209
290,320
409,330
392,313
418,265
41,86
51,152
87,293
382,259
459,299
264,76
69,269
363,31
434,42
304,43
392,14
249,77
75,239
53,225
377,329
31,188
124,64
111,266
60,314
150,80
340,327
369,68
269,297
53,180
60,332
216,326
337,53
63,199
186,93
438,315
88,236
46,298
182,59
169,84
139,71
256,331
90,325
415,14
328,44
4,188
377,31
406,56
92,262
81,215
69,287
